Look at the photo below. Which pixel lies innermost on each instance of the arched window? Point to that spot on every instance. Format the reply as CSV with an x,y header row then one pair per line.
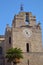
x,y
9,40
0,50
27,18
27,47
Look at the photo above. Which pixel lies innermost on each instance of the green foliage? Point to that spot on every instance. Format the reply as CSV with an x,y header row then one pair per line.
x,y
13,53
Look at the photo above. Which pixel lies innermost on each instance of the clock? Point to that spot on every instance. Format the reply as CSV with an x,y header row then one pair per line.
x,y
27,32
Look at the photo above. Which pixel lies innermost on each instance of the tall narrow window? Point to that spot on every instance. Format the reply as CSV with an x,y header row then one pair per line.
x,y
0,50
9,40
27,47
27,18
28,62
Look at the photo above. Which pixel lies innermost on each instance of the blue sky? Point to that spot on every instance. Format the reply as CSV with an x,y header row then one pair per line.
x,y
8,8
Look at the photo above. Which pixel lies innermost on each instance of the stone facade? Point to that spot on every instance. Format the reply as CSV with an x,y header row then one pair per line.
x,y
24,34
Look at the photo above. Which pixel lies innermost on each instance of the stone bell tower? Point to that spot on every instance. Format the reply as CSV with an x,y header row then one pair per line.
x,y
26,34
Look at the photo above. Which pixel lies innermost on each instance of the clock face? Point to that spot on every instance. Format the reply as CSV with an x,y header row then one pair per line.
x,y
27,32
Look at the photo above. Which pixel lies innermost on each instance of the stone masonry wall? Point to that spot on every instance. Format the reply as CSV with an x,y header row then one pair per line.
x,y
32,58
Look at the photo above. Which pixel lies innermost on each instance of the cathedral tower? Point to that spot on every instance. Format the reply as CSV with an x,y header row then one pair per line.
x,y
25,34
